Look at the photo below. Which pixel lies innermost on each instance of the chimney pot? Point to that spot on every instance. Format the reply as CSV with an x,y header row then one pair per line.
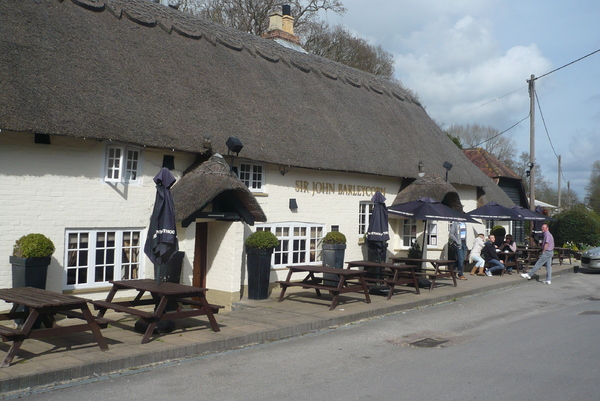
x,y
286,9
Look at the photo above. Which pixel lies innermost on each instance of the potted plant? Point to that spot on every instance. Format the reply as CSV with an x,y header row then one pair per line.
x,y
334,247
31,258
259,248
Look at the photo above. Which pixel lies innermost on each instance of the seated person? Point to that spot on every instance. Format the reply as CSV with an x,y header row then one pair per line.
x,y
490,255
509,245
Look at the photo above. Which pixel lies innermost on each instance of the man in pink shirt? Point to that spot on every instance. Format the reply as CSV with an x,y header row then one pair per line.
x,y
545,258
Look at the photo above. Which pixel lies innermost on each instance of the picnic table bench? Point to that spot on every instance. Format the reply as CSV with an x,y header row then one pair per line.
x,y
344,285
441,268
391,274
43,306
162,294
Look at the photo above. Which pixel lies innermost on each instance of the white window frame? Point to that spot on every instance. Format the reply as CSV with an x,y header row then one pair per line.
x,y
123,164
409,237
365,211
84,261
252,175
432,230
299,243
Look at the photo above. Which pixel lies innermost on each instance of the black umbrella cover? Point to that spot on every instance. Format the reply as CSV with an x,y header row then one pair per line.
x,y
161,242
378,224
378,231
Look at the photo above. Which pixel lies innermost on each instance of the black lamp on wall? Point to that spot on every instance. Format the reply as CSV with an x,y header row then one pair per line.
x,y
448,167
234,145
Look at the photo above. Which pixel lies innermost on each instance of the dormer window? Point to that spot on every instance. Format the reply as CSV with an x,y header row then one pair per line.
x,y
253,176
122,164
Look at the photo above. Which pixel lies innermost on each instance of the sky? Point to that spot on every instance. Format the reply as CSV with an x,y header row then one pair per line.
x,y
469,61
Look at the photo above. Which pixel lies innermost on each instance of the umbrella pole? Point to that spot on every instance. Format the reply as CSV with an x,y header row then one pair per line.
x,y
425,234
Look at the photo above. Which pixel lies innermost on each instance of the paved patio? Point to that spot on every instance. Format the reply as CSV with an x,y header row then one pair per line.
x,y
55,360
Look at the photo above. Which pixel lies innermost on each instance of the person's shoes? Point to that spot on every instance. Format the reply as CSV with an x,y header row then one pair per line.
x,y
462,278
481,274
547,282
509,272
525,275
488,273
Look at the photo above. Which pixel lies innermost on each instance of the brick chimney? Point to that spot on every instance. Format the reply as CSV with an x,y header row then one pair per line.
x,y
281,26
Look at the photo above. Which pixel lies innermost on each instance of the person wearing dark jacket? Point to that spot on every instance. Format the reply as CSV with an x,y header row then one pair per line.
x,y
490,255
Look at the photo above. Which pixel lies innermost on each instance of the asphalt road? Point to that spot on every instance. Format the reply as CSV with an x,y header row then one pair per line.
x,y
532,342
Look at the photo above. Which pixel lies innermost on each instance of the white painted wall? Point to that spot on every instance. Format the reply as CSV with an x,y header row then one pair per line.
x,y
51,188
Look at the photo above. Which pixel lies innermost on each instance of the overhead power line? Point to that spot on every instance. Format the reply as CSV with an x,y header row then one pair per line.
x,y
506,130
566,65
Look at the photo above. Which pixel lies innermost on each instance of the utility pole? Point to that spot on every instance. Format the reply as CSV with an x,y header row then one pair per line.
x,y
532,142
559,189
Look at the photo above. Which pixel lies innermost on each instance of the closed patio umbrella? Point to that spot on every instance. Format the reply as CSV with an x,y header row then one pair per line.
x,y
378,232
377,236
161,242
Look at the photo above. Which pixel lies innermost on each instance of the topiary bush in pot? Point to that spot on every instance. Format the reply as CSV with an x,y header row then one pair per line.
x,y
30,260
334,249
334,238
259,248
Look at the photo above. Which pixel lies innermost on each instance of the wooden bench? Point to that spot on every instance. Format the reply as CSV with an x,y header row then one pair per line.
x,y
390,274
343,286
104,305
101,322
9,334
214,308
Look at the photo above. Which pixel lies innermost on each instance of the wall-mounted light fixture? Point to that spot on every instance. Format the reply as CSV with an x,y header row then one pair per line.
x,y
420,166
293,204
284,169
43,139
234,145
448,167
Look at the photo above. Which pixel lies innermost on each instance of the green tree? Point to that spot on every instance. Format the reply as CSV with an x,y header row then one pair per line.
x,y
592,189
456,140
577,225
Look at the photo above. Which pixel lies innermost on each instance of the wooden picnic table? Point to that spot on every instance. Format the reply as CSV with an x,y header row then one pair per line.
x,y
441,268
529,255
344,285
34,304
391,274
162,294
561,254
510,259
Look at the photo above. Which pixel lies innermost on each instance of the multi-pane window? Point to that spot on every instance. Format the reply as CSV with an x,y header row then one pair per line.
x,y
298,243
94,257
253,176
409,232
365,211
432,234
122,164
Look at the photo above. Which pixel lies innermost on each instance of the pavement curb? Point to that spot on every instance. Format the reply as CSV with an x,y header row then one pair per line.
x,y
134,362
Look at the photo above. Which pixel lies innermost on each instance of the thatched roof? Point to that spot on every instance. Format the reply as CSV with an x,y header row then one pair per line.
x,y
141,73
430,186
209,180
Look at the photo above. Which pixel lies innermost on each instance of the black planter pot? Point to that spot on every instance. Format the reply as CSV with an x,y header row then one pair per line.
x,y
333,256
29,272
258,263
